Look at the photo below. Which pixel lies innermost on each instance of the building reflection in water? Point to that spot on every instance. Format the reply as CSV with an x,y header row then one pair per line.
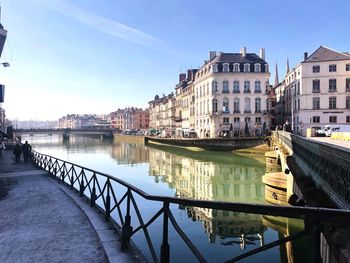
x,y
130,153
215,176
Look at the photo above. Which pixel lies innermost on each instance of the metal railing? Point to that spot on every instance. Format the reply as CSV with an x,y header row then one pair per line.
x,y
97,186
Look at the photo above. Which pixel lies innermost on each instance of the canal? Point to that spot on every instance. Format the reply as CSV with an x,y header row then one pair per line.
x,y
198,174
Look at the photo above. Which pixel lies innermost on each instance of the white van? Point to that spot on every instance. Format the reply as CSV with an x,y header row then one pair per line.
x,y
329,129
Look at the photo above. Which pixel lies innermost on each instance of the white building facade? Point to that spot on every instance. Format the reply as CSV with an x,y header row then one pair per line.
x,y
317,91
231,92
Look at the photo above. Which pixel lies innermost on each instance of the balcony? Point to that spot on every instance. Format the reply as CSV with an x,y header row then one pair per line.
x,y
225,91
315,91
247,111
236,91
225,111
257,91
257,111
246,91
236,111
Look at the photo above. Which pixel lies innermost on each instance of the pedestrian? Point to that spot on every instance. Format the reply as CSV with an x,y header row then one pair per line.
x,y
17,152
2,147
26,149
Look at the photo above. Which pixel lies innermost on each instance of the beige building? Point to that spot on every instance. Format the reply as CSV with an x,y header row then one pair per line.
x,y
185,102
162,112
317,91
231,92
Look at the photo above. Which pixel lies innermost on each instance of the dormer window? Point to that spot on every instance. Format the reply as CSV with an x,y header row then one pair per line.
x,y
215,68
257,68
236,67
246,68
226,67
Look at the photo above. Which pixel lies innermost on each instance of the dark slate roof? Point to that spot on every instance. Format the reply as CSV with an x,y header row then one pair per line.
x,y
237,58
326,54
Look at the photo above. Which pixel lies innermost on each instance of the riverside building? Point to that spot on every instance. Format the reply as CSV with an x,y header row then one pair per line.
x,y
316,92
231,92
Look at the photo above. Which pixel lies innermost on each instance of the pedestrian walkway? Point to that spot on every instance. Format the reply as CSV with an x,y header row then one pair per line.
x,y
40,222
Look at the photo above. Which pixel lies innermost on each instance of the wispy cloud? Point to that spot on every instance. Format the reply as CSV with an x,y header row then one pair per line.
x,y
103,24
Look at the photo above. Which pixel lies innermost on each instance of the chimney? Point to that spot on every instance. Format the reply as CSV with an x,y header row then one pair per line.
x,y
212,54
305,56
189,74
262,53
182,77
243,51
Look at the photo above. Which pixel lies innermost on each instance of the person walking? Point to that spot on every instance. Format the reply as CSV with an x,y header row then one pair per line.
x,y
17,152
26,149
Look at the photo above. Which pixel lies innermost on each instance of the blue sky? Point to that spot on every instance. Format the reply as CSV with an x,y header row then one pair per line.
x,y
85,56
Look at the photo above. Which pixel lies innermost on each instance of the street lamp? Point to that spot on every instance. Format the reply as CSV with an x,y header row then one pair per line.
x,y
5,64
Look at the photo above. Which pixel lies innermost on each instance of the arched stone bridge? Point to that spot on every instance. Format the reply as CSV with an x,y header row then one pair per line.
x,y
326,164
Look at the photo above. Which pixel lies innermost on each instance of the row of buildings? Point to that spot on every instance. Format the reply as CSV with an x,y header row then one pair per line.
x,y
230,94
130,118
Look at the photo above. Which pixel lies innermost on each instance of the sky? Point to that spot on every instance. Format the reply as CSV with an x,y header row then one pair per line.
x,y
86,56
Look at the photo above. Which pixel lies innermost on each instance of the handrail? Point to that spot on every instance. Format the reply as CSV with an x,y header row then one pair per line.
x,y
94,189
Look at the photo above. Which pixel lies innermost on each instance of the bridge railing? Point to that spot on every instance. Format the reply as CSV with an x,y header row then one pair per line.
x,y
102,190
329,165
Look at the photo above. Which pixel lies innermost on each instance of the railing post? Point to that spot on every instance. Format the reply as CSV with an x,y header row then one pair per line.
x,y
82,188
93,192
127,228
314,240
165,248
108,202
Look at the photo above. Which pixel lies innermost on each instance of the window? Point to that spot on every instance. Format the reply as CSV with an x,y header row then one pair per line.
x,y
215,68
226,120
246,86
225,108
347,67
332,102
332,68
215,106
257,68
214,87
347,84
208,88
298,88
257,105
258,120
257,86
225,87
316,86
247,119
236,120
247,105
348,119
332,119
236,105
236,67
332,85
316,103
236,86
246,68
226,67
316,69
316,119
347,102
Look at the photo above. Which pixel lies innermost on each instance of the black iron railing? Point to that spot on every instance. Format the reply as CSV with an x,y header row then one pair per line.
x,y
97,186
